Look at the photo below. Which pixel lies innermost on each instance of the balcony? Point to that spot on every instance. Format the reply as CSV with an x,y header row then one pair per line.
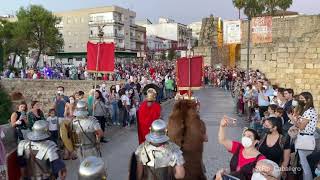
x,y
104,22
133,38
107,35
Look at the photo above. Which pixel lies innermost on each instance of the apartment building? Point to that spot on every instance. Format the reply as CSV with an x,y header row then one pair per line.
x,y
196,29
80,26
168,29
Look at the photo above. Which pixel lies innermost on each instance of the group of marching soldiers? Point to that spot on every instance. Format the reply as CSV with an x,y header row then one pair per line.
x,y
39,157
157,157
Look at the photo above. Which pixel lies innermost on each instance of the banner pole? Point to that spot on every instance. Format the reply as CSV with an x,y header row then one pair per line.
x,y
100,34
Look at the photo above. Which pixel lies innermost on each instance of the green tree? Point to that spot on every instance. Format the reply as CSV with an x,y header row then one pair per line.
x,y
39,25
271,6
13,40
5,106
171,54
239,4
163,55
284,4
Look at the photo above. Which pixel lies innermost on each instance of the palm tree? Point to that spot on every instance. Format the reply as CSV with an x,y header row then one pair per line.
x,y
271,6
284,5
239,4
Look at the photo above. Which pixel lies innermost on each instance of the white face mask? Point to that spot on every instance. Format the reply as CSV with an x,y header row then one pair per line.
x,y
247,89
294,103
258,176
257,110
60,92
254,88
246,142
71,101
265,87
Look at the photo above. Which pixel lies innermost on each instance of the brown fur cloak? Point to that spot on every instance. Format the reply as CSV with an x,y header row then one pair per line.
x,y
187,130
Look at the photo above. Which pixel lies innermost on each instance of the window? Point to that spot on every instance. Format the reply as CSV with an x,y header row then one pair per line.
x,y
69,33
75,20
82,20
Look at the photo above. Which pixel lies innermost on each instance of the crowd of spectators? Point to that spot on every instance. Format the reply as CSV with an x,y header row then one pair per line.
x,y
283,130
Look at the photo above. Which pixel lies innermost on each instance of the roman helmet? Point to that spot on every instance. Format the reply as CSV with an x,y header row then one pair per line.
x,y
158,132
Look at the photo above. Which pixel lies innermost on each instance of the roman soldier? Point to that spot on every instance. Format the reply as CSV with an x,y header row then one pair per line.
x,y
158,157
85,132
148,112
38,157
92,168
187,130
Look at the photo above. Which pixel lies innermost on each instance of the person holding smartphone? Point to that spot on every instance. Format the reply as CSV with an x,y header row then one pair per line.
x,y
245,154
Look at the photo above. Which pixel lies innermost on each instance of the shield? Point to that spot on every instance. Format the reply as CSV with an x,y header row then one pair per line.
x,y
133,167
148,86
64,134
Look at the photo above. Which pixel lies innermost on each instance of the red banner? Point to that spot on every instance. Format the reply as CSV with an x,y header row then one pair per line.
x,y
104,62
183,70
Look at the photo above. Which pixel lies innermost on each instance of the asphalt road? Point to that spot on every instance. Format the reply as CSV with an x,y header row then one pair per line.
x,y
214,104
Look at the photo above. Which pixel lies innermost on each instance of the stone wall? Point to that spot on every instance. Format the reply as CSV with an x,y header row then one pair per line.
x,y
212,55
208,43
44,90
292,60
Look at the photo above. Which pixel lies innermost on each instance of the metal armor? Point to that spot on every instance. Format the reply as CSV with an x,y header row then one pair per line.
x,y
84,137
92,168
159,161
43,152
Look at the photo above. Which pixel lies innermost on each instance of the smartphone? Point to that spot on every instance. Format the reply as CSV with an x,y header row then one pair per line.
x,y
229,177
231,121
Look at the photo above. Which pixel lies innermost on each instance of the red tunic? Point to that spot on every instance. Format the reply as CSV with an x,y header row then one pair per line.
x,y
146,116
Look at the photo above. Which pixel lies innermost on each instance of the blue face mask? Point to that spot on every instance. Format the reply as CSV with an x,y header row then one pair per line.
x,y
317,172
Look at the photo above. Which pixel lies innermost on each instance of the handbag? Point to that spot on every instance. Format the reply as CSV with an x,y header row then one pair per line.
x,y
305,142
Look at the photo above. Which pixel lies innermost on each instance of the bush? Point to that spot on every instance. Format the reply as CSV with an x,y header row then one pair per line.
x,y
5,106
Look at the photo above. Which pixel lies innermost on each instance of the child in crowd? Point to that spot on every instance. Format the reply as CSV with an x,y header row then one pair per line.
x,y
241,102
79,96
279,114
53,125
256,120
271,111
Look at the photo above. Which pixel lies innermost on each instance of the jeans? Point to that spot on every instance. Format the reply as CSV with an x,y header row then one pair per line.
x,y
169,93
313,160
123,116
307,174
114,114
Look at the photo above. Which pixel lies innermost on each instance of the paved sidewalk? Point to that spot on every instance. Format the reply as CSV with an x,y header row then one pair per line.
x,y
214,104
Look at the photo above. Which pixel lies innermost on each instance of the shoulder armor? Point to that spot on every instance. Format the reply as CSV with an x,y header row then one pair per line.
x,y
22,146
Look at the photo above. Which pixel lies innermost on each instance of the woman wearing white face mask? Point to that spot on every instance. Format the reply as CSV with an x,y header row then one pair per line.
x,y
245,154
69,108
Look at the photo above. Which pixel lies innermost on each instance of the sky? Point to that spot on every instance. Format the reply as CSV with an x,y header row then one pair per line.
x,y
183,11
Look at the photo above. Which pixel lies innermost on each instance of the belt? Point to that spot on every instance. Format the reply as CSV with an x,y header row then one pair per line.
x,y
307,134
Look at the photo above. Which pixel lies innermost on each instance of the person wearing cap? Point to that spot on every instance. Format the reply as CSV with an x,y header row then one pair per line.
x,y
148,112
38,157
92,168
86,132
158,157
